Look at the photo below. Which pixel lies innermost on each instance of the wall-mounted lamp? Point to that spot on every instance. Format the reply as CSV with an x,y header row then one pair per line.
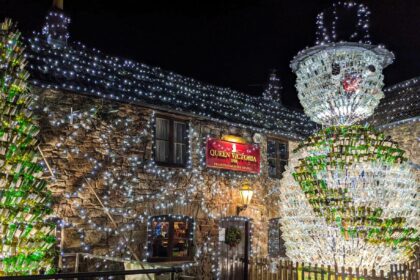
x,y
246,193
234,139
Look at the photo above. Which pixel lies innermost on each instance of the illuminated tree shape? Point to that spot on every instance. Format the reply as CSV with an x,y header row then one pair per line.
x,y
24,198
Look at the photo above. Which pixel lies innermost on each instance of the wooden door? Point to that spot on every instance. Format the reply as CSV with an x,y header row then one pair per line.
x,y
234,258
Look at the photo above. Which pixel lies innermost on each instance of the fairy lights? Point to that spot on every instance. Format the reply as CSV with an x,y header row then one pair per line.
x,y
351,195
274,88
276,247
238,222
201,186
121,168
401,104
154,232
327,31
75,67
55,28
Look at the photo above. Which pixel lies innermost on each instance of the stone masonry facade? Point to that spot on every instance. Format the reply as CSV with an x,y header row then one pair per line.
x,y
72,171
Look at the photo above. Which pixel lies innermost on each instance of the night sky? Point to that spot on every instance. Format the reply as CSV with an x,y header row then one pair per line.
x,y
227,43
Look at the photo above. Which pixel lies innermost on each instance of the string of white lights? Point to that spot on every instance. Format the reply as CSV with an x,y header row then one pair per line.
x,y
79,123
327,30
74,67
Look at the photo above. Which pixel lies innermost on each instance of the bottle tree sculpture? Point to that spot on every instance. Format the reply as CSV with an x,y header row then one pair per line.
x,y
25,201
349,195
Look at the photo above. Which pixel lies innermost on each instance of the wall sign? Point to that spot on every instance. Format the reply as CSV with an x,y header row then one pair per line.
x,y
232,156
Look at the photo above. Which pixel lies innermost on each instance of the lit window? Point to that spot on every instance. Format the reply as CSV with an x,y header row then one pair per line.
x,y
170,238
171,142
277,156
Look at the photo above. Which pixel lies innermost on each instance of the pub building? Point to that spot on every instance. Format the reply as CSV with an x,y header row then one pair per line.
x,y
152,166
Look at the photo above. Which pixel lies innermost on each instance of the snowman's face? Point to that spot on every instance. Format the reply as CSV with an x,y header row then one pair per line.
x,y
340,86
360,186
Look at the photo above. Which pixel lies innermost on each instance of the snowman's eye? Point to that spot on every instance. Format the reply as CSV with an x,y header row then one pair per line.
x,y
371,68
335,69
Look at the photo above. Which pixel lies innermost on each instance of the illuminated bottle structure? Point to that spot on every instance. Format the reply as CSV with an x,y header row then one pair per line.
x,y
348,194
25,200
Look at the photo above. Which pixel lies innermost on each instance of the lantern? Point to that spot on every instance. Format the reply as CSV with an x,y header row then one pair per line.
x,y
246,193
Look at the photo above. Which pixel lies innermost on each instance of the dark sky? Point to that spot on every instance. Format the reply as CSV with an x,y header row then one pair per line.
x,y
226,43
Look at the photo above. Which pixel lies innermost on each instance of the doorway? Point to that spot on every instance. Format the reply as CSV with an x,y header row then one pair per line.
x,y
234,247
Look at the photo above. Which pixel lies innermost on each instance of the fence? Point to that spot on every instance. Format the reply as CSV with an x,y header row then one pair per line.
x,y
85,266
173,273
273,269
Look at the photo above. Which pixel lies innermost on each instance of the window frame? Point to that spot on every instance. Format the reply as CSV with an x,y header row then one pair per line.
x,y
171,220
279,175
171,158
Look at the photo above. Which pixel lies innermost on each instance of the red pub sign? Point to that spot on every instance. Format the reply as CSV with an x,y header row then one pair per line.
x,y
227,155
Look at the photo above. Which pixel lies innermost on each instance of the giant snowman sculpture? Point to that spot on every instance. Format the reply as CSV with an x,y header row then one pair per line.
x,y
349,196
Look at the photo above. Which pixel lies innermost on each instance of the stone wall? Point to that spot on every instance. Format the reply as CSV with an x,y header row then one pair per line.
x,y
77,131
408,137
80,132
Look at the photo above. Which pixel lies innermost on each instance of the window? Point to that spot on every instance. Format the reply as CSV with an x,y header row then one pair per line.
x,y
171,142
277,156
276,247
170,238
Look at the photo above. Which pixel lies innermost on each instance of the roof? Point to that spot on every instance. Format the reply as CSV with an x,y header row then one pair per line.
x,y
74,67
400,104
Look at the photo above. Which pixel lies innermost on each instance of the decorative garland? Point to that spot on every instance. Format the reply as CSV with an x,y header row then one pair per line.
x,y
233,236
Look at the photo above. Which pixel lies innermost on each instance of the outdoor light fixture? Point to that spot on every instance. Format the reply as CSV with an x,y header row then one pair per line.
x,y
234,138
246,193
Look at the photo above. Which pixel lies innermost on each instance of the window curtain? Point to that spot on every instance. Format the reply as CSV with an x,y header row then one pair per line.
x,y
162,140
180,143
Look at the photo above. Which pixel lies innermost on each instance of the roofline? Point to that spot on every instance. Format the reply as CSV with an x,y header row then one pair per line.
x,y
410,82
186,114
398,123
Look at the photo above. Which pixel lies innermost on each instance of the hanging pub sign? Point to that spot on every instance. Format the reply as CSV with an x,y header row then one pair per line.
x,y
233,156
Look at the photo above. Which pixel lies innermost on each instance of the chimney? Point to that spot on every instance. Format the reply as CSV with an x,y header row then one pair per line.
x,y
56,24
58,4
274,88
